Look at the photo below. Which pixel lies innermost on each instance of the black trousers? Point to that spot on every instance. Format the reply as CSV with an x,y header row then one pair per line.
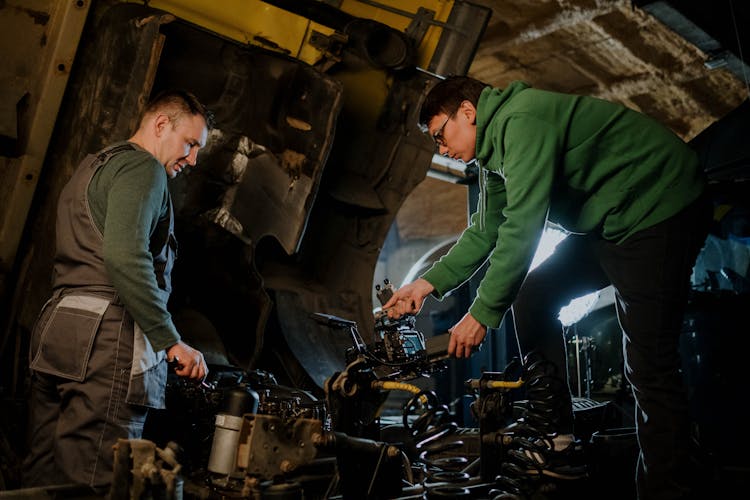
x,y
650,272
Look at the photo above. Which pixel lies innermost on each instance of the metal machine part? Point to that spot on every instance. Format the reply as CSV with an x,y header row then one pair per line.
x,y
399,353
270,447
142,470
223,459
401,342
367,468
427,436
239,401
272,441
493,408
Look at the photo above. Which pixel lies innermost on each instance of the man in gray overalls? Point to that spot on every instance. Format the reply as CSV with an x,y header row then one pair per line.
x,y
100,347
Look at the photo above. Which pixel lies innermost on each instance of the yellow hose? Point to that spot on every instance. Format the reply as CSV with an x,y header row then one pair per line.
x,y
504,384
399,386
476,383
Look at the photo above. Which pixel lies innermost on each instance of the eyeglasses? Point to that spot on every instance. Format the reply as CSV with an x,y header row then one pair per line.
x,y
438,135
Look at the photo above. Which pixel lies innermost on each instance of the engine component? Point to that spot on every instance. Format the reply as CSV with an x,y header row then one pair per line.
x,y
141,470
367,468
493,408
238,401
355,395
401,352
269,447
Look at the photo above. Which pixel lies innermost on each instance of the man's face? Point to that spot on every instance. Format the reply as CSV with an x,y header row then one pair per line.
x,y
180,141
455,135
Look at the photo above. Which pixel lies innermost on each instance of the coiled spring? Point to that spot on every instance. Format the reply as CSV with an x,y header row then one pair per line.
x,y
434,434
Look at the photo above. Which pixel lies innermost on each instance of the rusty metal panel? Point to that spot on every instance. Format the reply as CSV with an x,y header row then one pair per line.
x,y
276,117
33,77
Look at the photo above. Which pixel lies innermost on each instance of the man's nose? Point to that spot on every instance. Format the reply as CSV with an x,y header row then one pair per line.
x,y
192,157
443,150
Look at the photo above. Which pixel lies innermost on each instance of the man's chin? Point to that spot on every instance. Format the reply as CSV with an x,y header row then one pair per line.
x,y
174,171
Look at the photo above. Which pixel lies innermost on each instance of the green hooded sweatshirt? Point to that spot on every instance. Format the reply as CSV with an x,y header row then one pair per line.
x,y
588,165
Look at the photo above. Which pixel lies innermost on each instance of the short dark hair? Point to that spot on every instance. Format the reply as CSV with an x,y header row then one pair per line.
x,y
183,102
447,95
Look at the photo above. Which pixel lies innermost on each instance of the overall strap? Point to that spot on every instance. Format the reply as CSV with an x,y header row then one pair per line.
x,y
105,154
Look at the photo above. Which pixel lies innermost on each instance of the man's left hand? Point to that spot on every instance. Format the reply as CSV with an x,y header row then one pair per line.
x,y
466,336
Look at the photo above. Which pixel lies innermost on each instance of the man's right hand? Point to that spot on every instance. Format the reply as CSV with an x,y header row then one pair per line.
x,y
408,299
189,362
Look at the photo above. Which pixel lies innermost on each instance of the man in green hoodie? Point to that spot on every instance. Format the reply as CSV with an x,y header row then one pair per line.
x,y
632,197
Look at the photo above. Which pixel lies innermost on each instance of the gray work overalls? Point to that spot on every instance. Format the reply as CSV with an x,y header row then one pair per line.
x,y
94,373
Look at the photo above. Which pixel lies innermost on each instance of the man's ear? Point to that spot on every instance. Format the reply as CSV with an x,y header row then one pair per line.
x,y
161,121
469,111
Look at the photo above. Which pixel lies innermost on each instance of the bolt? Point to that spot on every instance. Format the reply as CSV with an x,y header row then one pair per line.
x,y
287,466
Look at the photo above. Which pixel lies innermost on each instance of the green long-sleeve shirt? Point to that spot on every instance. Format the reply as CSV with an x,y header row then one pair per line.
x,y
588,165
127,198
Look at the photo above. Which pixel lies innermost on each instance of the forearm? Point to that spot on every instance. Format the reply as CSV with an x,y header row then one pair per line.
x,y
475,244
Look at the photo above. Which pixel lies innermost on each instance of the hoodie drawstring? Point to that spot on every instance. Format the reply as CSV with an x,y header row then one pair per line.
x,y
482,196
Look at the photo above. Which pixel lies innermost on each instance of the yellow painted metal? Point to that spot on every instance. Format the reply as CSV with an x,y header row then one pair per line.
x,y
258,23
387,16
252,22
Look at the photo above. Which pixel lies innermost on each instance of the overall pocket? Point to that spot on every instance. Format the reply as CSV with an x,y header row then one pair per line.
x,y
66,336
148,375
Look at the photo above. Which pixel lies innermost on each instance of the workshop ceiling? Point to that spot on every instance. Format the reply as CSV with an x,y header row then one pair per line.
x,y
614,50
679,62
